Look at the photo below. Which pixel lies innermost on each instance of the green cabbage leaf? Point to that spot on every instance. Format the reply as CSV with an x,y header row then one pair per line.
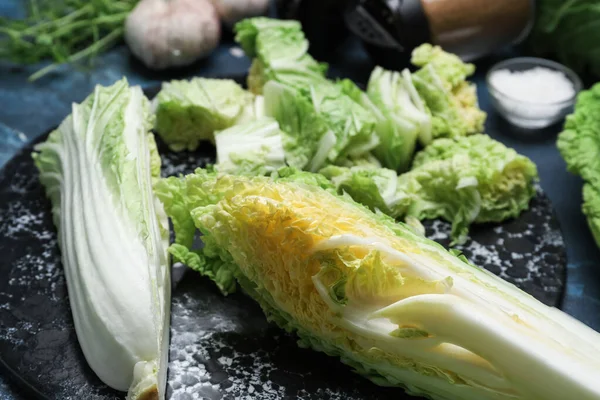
x,y
565,30
323,125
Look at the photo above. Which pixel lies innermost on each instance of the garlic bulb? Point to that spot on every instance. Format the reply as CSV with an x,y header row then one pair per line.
x,y
232,11
171,33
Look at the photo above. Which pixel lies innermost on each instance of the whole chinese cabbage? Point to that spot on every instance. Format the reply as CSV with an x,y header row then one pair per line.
x,y
395,306
98,169
579,145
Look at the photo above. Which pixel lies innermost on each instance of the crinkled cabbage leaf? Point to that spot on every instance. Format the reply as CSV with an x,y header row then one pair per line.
x,y
466,180
451,99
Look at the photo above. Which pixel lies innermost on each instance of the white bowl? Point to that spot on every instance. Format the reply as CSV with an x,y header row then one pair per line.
x,y
527,114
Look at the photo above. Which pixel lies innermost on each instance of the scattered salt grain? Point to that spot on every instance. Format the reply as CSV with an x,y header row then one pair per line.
x,y
236,52
535,85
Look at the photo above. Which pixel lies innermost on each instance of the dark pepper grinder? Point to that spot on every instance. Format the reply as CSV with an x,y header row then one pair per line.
x,y
391,29
322,22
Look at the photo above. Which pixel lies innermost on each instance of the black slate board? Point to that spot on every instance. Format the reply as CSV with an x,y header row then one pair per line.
x,y
221,347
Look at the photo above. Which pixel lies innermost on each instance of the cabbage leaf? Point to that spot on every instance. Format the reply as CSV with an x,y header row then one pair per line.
x,y
565,30
402,119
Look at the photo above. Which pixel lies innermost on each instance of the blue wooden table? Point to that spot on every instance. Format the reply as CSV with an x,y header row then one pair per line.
x,y
29,109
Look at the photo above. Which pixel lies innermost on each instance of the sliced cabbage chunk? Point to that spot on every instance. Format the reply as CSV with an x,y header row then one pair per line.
x,y
252,148
323,125
451,99
98,168
279,52
403,117
395,306
472,179
190,111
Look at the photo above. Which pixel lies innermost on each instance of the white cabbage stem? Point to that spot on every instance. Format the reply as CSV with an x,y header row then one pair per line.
x,y
517,353
474,331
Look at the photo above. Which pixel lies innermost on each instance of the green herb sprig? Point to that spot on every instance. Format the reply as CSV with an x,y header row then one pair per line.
x,y
66,31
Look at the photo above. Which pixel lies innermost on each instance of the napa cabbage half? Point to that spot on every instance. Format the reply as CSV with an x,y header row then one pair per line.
x,y
98,169
395,306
